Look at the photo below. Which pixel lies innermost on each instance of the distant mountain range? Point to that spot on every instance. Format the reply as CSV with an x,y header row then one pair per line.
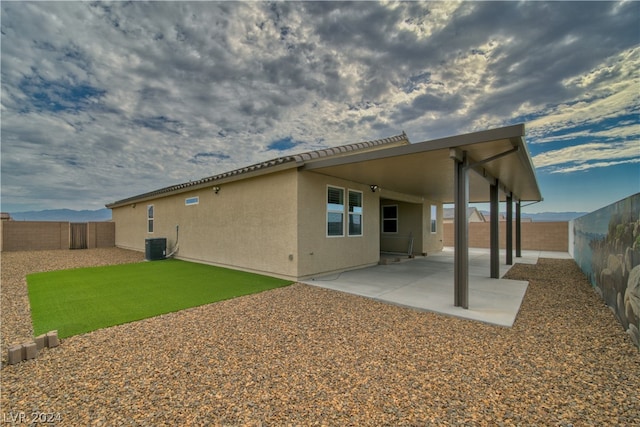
x,y
105,215
546,216
63,215
554,216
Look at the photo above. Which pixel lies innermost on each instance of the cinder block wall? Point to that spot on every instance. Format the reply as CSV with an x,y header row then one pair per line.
x,y
102,234
48,235
34,235
536,236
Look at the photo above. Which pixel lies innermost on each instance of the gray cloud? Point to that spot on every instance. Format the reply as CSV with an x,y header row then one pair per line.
x,y
104,100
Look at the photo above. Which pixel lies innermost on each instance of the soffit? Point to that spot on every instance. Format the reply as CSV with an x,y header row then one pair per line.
x,y
426,168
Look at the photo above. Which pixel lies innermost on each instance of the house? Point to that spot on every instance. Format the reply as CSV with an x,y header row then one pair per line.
x,y
473,215
331,210
5,216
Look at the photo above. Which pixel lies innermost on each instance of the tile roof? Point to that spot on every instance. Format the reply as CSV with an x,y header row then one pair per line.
x,y
295,160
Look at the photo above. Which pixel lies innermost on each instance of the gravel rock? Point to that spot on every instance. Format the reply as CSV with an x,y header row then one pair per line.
x,y
302,355
14,300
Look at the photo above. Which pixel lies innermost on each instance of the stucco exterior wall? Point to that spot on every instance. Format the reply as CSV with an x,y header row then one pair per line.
x,y
274,224
410,223
433,242
318,253
131,226
415,218
249,225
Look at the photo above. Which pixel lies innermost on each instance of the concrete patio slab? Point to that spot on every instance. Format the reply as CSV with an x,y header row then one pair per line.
x,y
426,283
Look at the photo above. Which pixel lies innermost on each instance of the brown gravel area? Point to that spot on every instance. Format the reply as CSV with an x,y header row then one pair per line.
x,y
302,355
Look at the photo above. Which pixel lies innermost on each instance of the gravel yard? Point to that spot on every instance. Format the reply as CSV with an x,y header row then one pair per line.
x,y
302,355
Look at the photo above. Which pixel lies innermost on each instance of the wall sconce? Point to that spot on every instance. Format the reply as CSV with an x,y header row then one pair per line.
x,y
216,189
133,205
373,188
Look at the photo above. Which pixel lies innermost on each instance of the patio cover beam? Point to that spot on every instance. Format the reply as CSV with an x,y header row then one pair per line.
x,y
476,165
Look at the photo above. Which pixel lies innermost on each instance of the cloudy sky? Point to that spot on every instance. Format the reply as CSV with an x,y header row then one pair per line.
x,y
102,101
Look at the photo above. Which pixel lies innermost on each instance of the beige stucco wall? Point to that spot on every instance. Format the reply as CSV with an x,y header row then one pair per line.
x,y
433,242
249,225
318,253
409,222
273,224
415,218
131,226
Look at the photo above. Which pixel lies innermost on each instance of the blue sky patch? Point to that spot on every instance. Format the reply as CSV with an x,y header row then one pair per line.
x,y
57,96
282,144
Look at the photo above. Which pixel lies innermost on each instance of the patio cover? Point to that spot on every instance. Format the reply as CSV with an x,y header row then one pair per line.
x,y
439,170
427,169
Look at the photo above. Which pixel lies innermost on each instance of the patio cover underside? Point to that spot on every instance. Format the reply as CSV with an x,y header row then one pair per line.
x,y
426,169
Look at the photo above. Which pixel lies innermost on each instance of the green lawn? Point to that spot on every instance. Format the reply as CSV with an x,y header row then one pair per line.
x,y
82,300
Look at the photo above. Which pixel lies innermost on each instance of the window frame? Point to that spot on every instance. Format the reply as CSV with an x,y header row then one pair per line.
x,y
382,222
350,214
150,219
334,211
434,219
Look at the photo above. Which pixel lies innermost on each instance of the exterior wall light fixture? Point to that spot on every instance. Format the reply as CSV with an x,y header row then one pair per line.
x,y
216,189
373,188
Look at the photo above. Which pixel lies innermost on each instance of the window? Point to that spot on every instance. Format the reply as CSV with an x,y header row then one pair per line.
x,y
335,211
355,213
434,218
390,219
150,218
192,201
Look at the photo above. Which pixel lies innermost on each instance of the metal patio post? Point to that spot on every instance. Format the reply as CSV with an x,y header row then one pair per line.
x,y
461,254
494,230
518,230
509,231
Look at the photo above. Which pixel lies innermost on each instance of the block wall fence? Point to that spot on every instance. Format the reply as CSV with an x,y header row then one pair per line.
x,y
47,235
44,235
536,236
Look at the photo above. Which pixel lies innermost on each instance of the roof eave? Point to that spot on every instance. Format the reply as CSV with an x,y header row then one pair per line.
x,y
525,158
267,167
509,132
224,178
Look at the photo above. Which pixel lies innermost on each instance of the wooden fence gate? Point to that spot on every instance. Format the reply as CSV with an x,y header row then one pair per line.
x,y
78,235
